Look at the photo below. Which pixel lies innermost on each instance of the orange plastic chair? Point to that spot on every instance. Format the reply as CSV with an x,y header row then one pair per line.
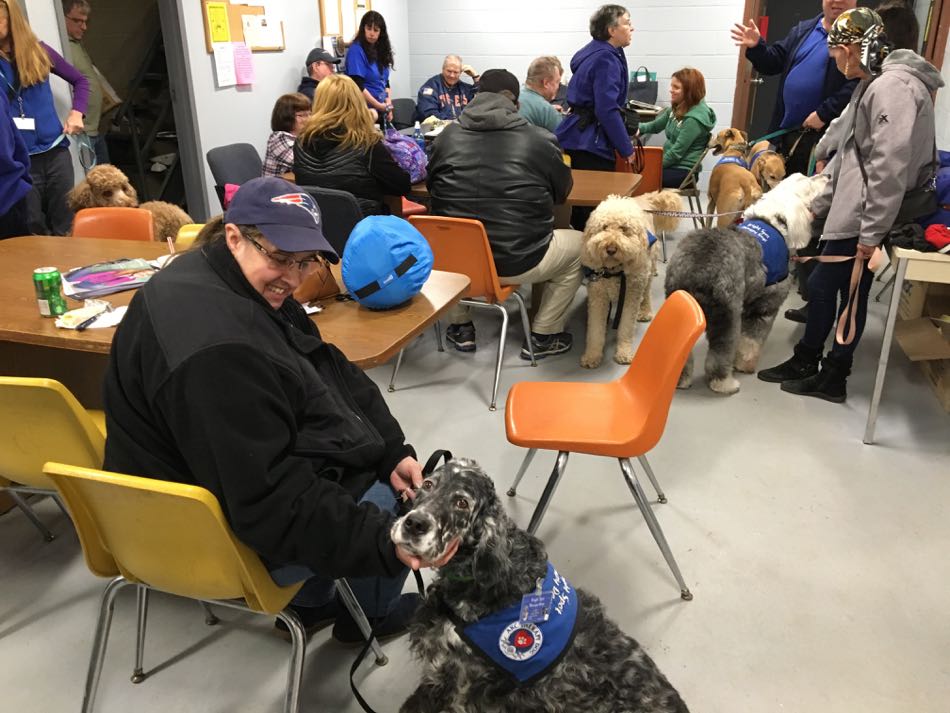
x,y
461,245
114,223
621,419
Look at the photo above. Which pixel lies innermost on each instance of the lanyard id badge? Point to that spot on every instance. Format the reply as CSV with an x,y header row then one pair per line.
x,y
25,123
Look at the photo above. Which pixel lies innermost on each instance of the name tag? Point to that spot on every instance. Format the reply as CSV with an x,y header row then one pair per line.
x,y
24,123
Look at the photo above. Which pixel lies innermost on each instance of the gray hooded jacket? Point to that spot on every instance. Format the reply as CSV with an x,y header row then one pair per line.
x,y
893,125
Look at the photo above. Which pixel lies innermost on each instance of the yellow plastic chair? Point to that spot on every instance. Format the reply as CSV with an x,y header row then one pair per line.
x,y
173,538
187,234
41,420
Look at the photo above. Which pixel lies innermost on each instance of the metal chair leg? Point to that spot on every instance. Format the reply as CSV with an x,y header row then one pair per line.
x,y
559,465
141,609
660,495
663,244
103,623
526,325
211,618
889,283
438,335
359,616
631,477
298,648
529,456
31,516
392,379
501,355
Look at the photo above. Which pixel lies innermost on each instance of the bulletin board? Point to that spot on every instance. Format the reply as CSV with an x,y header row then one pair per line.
x,y
222,22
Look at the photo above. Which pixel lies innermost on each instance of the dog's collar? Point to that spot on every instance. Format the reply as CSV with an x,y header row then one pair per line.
x,y
755,156
605,274
738,160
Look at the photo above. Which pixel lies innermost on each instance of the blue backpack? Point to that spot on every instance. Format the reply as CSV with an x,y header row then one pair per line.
x,y
386,262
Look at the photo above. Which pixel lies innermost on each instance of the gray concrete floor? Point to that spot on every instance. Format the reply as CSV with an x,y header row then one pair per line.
x,y
819,565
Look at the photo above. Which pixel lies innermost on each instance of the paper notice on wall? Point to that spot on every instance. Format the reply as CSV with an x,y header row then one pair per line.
x,y
262,31
329,44
224,64
218,22
243,64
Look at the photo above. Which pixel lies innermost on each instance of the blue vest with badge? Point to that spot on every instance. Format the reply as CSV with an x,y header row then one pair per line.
x,y
519,640
774,249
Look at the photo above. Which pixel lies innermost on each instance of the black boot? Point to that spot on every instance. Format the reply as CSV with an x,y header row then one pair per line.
x,y
830,383
797,314
804,363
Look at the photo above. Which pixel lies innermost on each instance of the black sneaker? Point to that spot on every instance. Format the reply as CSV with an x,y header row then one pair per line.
x,y
797,314
800,366
462,336
393,624
830,384
312,618
547,345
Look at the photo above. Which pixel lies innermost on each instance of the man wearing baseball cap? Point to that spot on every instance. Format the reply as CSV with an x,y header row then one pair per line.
x,y
320,64
218,378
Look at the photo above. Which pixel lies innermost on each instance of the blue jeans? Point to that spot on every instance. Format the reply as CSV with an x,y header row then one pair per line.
x,y
828,298
376,595
100,148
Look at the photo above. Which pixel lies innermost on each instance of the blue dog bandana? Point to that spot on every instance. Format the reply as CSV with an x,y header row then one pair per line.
x,y
774,249
738,160
526,650
651,238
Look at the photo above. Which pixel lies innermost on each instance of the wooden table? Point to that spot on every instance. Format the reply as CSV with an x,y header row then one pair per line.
x,y
31,345
908,265
590,187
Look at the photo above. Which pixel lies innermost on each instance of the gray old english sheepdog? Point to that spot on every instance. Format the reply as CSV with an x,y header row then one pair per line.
x,y
501,630
739,276
618,253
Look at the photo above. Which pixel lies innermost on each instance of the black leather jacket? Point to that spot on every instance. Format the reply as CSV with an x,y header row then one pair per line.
x,y
368,175
207,384
495,166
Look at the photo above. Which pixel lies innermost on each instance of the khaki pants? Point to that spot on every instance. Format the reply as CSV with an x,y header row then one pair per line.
x,y
560,274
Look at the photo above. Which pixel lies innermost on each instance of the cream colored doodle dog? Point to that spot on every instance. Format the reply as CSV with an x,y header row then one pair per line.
x,y
616,246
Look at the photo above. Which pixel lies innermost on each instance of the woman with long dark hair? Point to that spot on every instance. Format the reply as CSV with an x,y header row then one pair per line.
x,y
25,66
687,123
369,60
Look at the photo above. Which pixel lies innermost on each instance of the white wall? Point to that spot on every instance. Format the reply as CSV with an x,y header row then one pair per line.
x,y
668,34
942,108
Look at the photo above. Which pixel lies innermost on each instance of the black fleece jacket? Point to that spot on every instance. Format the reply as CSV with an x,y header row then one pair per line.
x,y
209,385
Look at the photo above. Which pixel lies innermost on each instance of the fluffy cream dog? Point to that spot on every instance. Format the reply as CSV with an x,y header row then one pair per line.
x,y
106,186
616,249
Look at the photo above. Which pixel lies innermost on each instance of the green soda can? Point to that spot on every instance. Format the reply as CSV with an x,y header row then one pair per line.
x,y
47,282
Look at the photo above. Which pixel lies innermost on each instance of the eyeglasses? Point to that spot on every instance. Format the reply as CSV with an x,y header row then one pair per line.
x,y
78,20
284,261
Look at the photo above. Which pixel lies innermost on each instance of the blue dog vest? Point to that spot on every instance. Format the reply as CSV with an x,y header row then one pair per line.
x,y
651,238
738,160
774,249
526,650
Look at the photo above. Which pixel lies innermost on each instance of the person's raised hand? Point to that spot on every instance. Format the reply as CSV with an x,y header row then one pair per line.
x,y
469,70
406,477
746,35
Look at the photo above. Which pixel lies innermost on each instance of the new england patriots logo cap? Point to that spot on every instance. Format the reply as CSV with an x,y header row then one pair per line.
x,y
287,216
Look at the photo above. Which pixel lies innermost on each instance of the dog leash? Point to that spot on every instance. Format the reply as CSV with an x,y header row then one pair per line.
x,y
847,320
690,214
426,470
775,134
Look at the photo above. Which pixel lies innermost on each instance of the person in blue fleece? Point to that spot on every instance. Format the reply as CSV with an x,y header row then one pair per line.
x,y
595,129
15,178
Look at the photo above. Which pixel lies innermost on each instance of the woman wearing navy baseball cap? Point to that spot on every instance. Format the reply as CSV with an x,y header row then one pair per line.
x,y
218,378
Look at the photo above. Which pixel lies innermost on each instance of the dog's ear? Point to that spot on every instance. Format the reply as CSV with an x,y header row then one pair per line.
x,y
756,169
80,197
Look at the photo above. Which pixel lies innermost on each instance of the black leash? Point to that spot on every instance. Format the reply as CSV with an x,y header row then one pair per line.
x,y
426,470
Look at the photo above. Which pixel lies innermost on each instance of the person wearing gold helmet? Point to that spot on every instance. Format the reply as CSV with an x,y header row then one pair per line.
x,y
885,162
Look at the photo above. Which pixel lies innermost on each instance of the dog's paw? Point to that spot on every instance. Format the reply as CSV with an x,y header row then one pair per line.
x,y
727,386
591,361
644,316
623,355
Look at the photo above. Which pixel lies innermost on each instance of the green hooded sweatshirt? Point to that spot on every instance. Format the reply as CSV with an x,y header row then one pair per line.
x,y
686,138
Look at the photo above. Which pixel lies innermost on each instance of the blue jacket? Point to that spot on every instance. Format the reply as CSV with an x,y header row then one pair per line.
x,y
15,178
777,59
599,84
436,99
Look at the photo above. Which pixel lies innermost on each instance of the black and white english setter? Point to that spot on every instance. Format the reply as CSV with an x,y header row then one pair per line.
x,y
602,670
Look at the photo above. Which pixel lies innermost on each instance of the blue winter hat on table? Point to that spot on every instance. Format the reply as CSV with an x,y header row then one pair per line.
x,y
288,217
386,261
